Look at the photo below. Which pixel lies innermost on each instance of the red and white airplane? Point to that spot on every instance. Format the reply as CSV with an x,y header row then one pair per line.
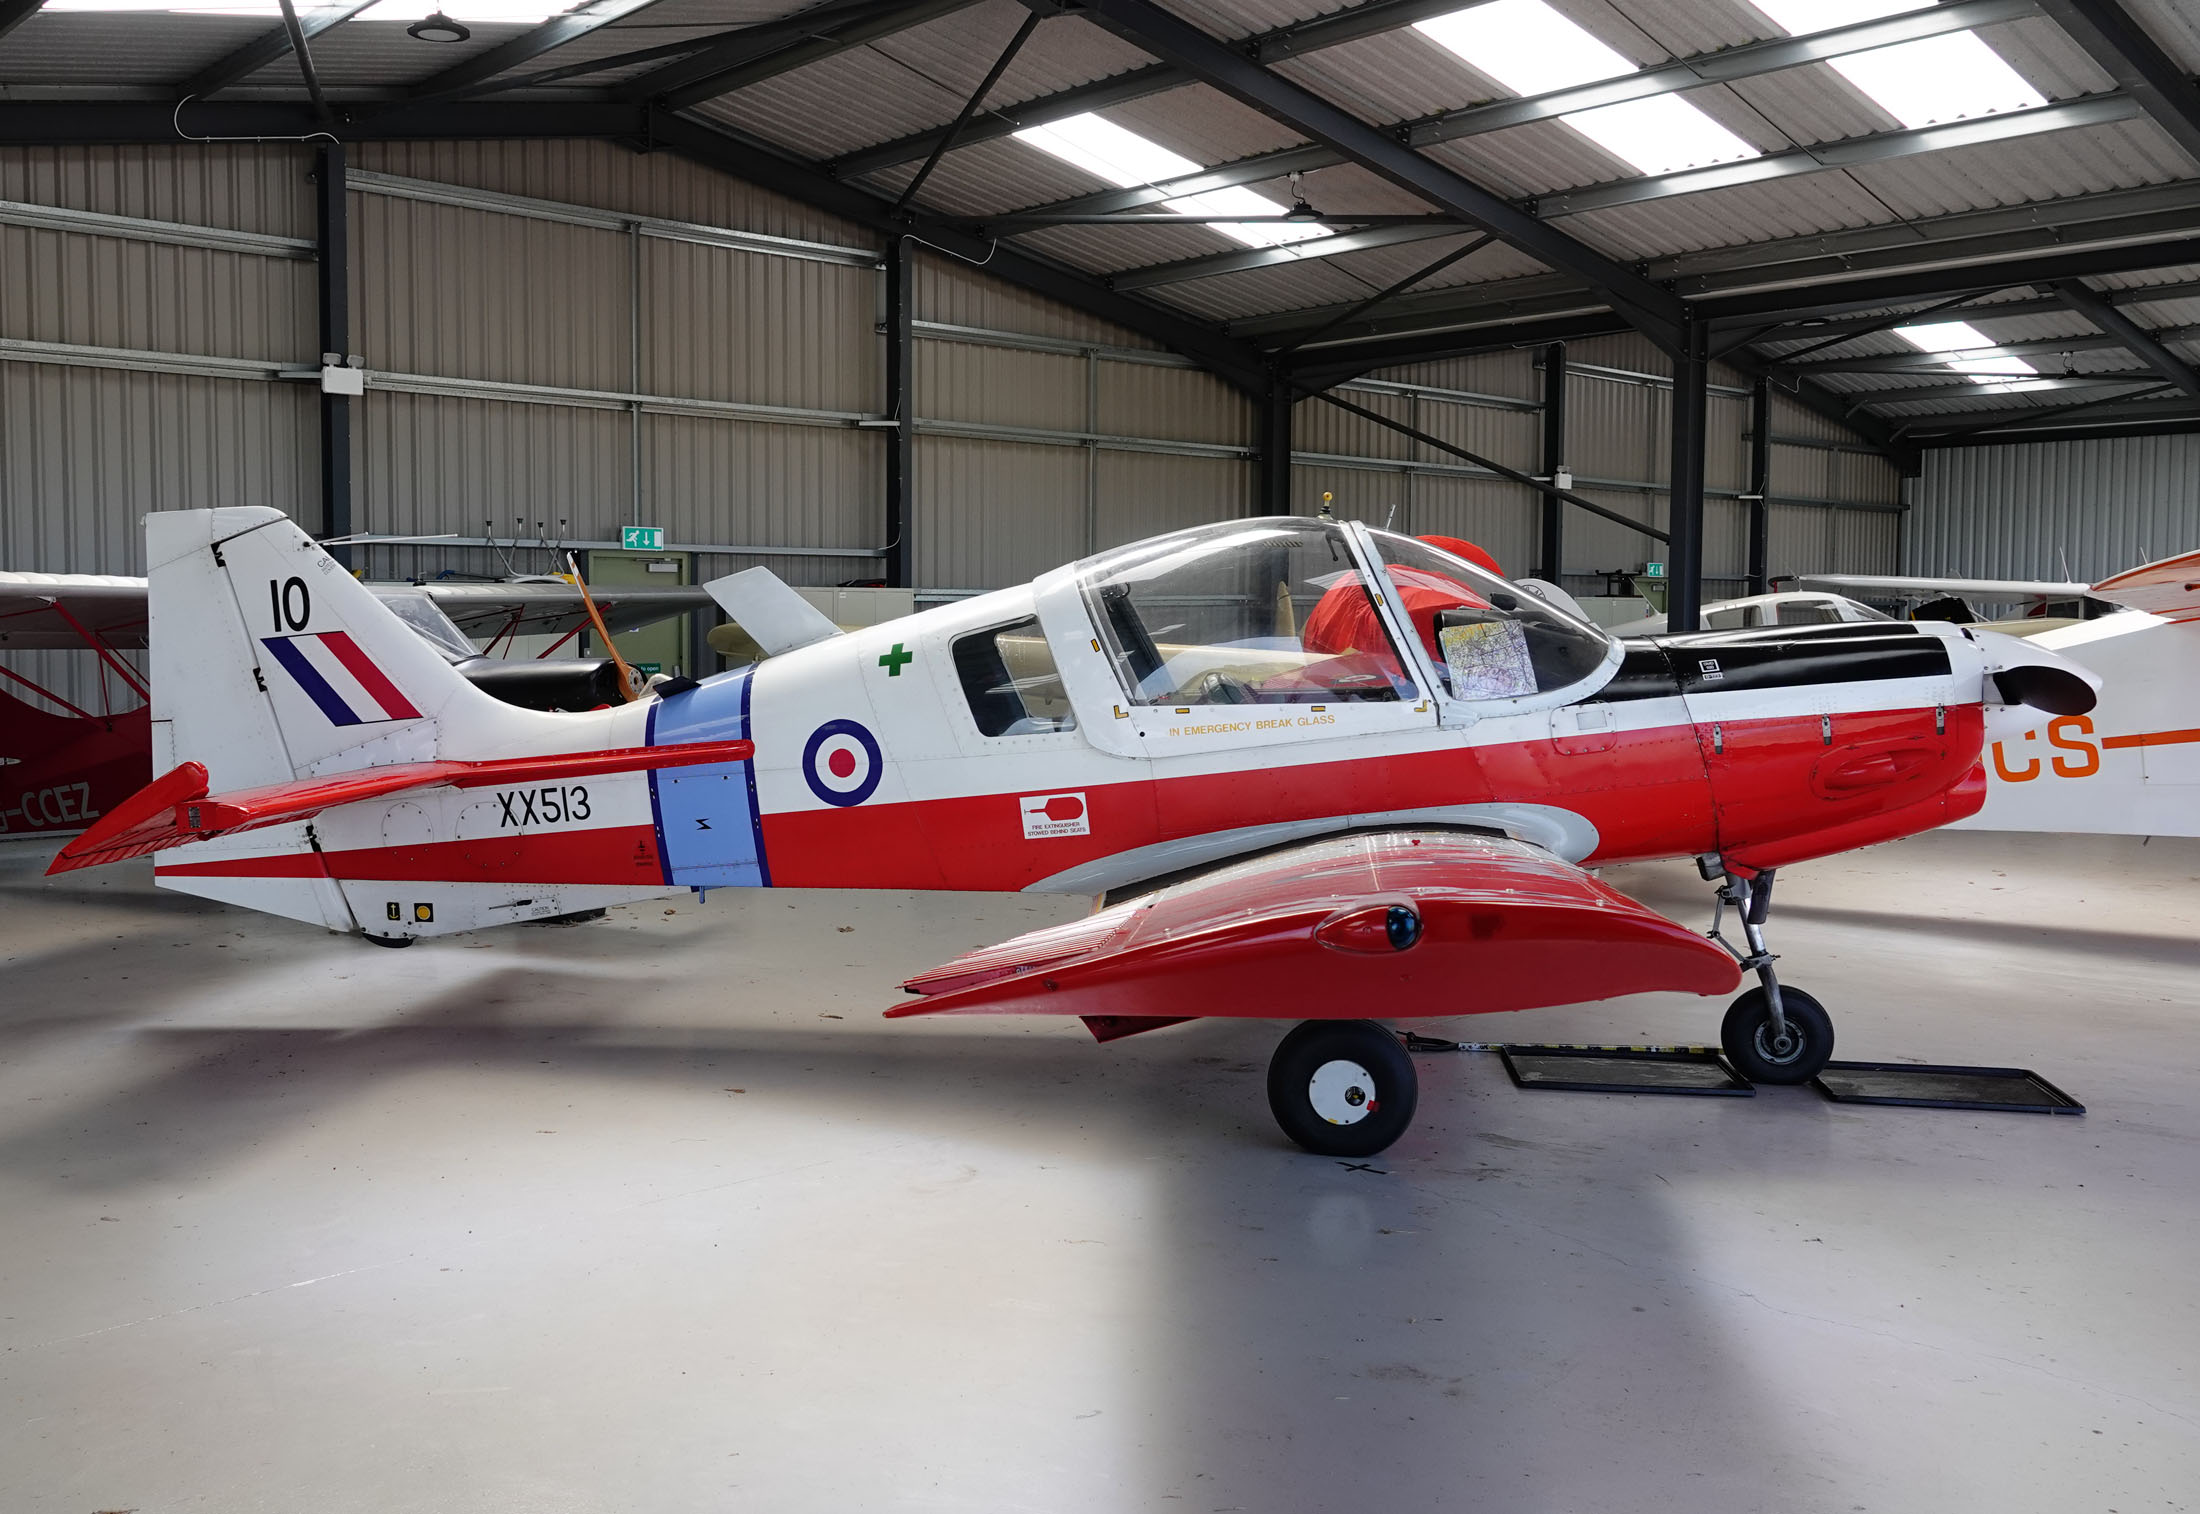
x,y
1313,771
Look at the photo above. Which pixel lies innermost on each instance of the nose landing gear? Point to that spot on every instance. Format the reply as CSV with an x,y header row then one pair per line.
x,y
1771,1034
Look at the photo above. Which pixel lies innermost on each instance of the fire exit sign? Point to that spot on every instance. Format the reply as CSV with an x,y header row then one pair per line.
x,y
642,538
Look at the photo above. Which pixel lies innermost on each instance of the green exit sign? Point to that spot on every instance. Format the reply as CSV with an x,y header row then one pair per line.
x,y
1653,570
642,538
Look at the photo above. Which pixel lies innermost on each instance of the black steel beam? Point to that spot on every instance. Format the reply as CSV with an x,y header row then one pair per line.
x,y
1853,329
1938,429
2112,38
1848,152
2144,344
13,13
1526,480
1334,365
1935,362
259,52
1760,486
1427,270
1136,84
1551,537
88,122
1242,259
1121,89
1652,310
1275,446
992,77
706,76
1839,298
524,48
1722,67
1684,488
332,291
901,408
2168,425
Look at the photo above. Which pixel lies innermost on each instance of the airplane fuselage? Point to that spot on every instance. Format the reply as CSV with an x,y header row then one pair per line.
x,y
871,771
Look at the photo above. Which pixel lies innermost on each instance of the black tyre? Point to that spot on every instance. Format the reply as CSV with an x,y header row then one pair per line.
x,y
390,940
1758,1055
1342,1088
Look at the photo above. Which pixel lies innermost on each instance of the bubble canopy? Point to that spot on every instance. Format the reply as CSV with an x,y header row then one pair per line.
x,y
1281,611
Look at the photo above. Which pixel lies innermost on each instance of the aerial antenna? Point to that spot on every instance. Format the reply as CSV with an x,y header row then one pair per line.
x,y
1393,515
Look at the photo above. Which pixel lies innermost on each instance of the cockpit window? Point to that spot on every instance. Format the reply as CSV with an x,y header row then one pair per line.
x,y
1244,612
1009,677
1487,639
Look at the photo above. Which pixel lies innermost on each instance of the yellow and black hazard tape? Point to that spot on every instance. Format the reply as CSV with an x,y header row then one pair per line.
x,y
1415,1042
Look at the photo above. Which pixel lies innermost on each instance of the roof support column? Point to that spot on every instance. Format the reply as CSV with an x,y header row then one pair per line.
x,y
1760,483
1684,518
1275,447
901,436
332,280
1552,555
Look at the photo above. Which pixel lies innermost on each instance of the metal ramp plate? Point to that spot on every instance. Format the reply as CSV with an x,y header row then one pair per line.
x,y
2014,1090
1618,1069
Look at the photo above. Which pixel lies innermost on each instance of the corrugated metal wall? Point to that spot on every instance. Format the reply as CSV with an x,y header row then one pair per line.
x,y
2077,509
562,338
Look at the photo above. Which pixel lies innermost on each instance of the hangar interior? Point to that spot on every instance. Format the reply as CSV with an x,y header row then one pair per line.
x,y
939,295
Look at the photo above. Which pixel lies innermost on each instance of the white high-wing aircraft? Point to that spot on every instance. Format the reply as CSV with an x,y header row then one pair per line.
x,y
2131,765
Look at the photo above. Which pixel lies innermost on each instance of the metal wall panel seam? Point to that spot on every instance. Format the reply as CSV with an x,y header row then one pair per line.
x,y
983,431
395,186
523,544
986,336
609,399
139,360
98,223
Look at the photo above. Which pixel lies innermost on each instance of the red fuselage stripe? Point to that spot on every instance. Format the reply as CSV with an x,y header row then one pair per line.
x,y
620,855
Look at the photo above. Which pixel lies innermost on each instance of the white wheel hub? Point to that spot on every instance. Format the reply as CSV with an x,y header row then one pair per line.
x,y
1342,1092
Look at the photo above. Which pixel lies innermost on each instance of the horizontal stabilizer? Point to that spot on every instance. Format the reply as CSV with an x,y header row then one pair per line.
x,y
175,808
776,618
1401,924
2169,588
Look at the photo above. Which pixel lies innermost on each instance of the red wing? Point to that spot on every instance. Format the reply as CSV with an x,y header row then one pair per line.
x,y
1401,924
175,807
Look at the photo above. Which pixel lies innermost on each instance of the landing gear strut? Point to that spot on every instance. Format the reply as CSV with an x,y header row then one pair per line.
x,y
1771,1034
1342,1088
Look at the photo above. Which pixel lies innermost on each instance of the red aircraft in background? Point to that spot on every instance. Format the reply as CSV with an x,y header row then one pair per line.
x,y
1296,795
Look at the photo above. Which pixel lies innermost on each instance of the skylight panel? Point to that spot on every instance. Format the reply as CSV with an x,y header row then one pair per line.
x,y
1945,78
1531,50
1968,352
1130,161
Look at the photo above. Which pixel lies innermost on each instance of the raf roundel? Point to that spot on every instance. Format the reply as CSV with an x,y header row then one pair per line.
x,y
841,762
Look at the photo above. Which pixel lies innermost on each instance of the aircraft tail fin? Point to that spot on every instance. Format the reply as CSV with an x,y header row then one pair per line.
x,y
271,663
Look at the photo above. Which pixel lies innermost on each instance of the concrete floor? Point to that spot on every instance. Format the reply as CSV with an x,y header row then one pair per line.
x,y
656,1214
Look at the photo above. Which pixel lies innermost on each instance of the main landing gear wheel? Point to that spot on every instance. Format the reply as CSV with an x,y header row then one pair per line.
x,y
1342,1088
390,940
1762,1054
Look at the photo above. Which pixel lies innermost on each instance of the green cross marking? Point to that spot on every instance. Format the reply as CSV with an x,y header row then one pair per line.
x,y
894,661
